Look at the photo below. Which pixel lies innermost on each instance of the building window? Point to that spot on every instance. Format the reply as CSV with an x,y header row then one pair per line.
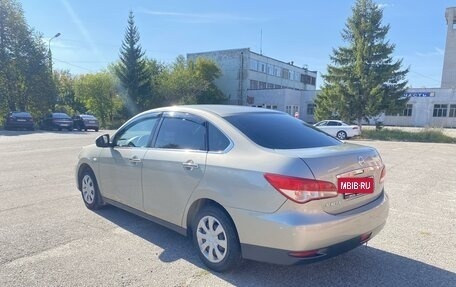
x,y
262,67
270,69
291,110
270,86
261,85
253,85
454,24
452,111
277,71
277,86
253,64
271,107
285,74
440,111
407,111
308,80
310,109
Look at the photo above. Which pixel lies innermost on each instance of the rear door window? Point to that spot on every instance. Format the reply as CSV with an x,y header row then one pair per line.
x,y
181,133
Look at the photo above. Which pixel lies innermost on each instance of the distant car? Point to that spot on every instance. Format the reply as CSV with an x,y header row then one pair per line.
x,y
57,121
85,122
338,129
19,120
243,182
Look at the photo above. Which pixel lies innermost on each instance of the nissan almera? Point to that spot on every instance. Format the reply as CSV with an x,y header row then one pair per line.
x,y
242,182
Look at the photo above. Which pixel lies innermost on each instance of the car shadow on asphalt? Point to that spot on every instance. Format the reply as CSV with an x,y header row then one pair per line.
x,y
363,266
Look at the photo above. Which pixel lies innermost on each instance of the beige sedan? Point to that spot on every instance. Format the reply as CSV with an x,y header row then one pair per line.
x,y
242,182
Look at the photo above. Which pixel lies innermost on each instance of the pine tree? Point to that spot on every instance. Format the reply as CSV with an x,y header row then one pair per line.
x,y
132,70
363,79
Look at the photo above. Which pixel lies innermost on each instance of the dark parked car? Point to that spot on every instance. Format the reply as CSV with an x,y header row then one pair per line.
x,y
85,122
57,121
19,120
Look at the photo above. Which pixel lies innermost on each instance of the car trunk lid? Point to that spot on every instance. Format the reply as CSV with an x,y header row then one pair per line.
x,y
342,161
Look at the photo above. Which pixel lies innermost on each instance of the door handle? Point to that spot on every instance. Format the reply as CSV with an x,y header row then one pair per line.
x,y
190,165
135,159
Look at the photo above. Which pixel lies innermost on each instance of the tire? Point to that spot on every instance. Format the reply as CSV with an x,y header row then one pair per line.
x,y
89,190
216,240
341,135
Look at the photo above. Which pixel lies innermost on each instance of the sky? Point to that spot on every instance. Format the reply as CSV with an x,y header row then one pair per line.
x,y
302,31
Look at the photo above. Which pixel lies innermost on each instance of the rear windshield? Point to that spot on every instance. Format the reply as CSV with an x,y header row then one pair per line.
x,y
21,114
280,131
60,116
88,117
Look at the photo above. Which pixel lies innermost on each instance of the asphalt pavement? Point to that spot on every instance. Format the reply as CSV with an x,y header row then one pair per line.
x,y
49,238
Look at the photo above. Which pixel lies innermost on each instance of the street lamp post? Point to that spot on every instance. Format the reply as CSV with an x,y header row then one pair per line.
x,y
49,51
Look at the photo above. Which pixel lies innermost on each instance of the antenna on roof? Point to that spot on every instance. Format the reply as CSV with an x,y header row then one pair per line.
x,y
261,42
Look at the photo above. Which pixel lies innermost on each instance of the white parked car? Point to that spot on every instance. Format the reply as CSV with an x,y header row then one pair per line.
x,y
338,129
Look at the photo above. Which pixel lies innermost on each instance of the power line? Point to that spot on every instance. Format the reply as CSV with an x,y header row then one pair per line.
x,y
68,63
425,76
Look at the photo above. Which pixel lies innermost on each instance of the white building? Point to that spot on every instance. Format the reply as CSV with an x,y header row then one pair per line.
x,y
252,79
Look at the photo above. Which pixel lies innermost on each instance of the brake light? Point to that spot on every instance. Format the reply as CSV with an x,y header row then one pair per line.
x,y
301,190
383,174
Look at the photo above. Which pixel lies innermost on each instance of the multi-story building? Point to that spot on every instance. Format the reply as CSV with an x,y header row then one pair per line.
x,y
248,78
253,79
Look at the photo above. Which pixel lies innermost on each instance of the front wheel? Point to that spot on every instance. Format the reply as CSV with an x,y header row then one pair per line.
x,y
216,239
89,190
341,135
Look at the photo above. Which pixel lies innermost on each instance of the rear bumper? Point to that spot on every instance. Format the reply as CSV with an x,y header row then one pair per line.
x,y
90,126
25,125
284,257
272,237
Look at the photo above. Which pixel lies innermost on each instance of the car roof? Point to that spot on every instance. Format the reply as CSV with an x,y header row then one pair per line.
x,y
221,110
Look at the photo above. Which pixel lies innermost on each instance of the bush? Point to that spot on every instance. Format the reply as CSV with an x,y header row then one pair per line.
x,y
425,135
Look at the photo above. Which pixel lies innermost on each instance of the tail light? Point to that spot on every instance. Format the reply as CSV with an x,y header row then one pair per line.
x,y
301,190
383,174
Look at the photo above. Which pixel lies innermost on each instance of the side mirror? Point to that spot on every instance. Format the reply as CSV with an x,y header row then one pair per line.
x,y
103,141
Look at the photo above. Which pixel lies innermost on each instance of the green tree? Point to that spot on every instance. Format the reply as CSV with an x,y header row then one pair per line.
x,y
363,79
98,94
132,70
190,83
66,99
208,71
25,80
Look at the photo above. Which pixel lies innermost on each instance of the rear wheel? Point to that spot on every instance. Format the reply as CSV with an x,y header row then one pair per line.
x,y
89,190
341,135
216,239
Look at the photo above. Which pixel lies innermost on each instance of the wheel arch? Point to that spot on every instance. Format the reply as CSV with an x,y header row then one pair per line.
x,y
82,168
199,204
